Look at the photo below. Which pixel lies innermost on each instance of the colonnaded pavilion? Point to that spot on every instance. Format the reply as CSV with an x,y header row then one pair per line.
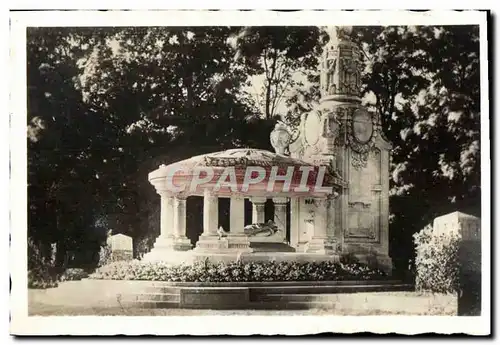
x,y
339,143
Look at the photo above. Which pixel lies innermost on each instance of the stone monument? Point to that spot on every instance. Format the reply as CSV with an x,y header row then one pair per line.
x,y
121,247
468,228
339,138
342,135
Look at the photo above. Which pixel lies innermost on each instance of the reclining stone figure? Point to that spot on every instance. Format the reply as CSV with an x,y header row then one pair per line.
x,y
261,229
258,229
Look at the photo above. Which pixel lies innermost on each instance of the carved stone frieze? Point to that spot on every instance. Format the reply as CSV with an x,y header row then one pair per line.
x,y
365,233
359,205
341,66
359,160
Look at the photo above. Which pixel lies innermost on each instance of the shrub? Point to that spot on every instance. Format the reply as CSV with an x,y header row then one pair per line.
x,y
104,255
73,274
436,262
349,258
235,271
41,272
41,279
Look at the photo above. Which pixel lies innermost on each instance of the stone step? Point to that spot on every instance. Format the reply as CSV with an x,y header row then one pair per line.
x,y
162,290
284,290
288,305
152,304
157,297
263,247
323,298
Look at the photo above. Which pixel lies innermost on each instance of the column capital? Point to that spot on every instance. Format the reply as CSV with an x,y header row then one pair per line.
x,y
321,201
210,195
180,199
237,197
258,199
280,200
334,195
164,193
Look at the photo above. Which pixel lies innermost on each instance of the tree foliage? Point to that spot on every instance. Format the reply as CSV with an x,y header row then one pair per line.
x,y
285,56
425,83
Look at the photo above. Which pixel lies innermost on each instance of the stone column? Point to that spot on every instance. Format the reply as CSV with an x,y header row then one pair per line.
x,y
181,241
210,213
258,206
172,230
320,243
166,216
280,215
333,231
294,222
237,238
237,215
210,241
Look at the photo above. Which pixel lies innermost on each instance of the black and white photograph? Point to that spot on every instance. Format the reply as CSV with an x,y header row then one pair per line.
x,y
173,164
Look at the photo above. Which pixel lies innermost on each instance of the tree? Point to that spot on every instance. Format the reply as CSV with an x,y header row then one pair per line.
x,y
170,93
61,148
425,82
285,56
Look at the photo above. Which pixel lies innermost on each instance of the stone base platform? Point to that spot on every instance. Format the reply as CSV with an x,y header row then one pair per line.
x,y
191,256
238,295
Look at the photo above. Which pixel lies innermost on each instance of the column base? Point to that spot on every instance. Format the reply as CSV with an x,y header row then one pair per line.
x,y
173,243
321,246
229,244
211,243
168,249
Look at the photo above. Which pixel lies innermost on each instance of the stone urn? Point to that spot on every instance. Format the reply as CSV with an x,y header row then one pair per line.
x,y
280,138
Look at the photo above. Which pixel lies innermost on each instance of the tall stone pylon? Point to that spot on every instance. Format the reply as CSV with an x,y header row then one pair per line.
x,y
343,135
340,68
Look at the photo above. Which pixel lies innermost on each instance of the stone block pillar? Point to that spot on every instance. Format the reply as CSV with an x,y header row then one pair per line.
x,y
469,255
258,207
237,238
320,242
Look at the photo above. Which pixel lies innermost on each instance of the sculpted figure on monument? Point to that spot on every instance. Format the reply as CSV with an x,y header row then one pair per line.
x,y
343,33
331,65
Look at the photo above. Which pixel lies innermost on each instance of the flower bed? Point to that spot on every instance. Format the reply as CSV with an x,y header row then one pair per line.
x,y
236,271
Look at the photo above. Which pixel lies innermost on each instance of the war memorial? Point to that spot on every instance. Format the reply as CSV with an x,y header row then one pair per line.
x,y
303,226
332,179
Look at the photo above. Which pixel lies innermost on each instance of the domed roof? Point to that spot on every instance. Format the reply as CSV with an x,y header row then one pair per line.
x,y
240,165
240,158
